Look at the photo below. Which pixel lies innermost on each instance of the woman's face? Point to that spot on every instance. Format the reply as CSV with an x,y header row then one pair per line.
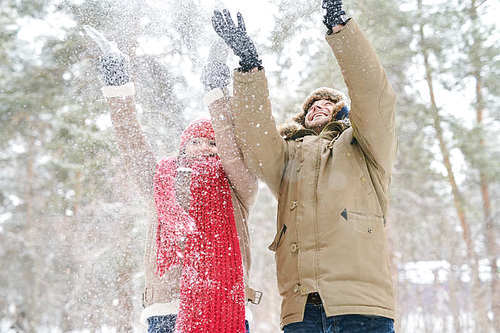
x,y
200,147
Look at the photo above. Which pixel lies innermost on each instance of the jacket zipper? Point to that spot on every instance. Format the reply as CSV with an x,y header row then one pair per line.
x,y
315,217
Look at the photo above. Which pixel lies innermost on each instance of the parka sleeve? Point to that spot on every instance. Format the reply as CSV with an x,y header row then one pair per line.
x,y
242,180
134,147
372,97
264,150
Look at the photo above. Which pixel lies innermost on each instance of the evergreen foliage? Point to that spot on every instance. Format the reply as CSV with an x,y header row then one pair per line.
x,y
72,226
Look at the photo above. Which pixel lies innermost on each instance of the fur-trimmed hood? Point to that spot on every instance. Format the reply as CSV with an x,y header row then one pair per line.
x,y
332,130
333,95
296,127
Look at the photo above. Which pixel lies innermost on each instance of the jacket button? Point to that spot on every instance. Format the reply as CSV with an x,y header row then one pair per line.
x,y
348,154
294,248
293,205
363,179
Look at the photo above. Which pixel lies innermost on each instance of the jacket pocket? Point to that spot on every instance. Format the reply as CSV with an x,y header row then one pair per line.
x,y
367,225
277,239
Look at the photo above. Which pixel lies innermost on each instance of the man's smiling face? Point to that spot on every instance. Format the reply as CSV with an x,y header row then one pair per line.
x,y
319,114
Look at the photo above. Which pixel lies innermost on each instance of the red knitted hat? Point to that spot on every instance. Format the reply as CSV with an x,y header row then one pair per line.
x,y
201,128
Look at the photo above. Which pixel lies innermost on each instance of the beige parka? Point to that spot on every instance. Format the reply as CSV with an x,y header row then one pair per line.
x,y
332,190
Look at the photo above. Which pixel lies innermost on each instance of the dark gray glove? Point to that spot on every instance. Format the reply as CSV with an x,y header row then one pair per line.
x,y
112,64
216,73
237,39
335,15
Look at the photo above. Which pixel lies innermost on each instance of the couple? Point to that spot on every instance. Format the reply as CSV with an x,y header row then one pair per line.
x,y
330,171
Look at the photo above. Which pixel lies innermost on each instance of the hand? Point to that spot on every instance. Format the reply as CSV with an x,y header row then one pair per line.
x,y
113,64
335,15
237,39
216,73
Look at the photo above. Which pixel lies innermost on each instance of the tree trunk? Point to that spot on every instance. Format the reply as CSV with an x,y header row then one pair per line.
x,y
454,295
489,232
29,313
457,196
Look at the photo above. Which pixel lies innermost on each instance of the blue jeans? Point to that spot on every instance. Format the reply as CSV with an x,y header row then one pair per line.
x,y
166,324
316,321
162,324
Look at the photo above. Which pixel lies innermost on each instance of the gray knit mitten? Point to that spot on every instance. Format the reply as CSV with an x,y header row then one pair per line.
x,y
216,73
112,64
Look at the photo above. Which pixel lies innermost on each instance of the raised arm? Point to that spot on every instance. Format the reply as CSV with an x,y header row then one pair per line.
x,y
372,98
263,149
135,150
240,177
216,77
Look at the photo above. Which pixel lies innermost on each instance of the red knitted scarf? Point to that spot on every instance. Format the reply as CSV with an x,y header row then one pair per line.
x,y
212,290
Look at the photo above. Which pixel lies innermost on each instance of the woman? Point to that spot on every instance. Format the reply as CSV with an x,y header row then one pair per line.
x,y
202,196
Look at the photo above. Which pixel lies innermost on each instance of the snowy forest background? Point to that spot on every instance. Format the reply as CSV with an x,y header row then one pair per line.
x,y
72,226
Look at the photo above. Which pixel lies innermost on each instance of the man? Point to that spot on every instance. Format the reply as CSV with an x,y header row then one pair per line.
x,y
331,177
197,257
